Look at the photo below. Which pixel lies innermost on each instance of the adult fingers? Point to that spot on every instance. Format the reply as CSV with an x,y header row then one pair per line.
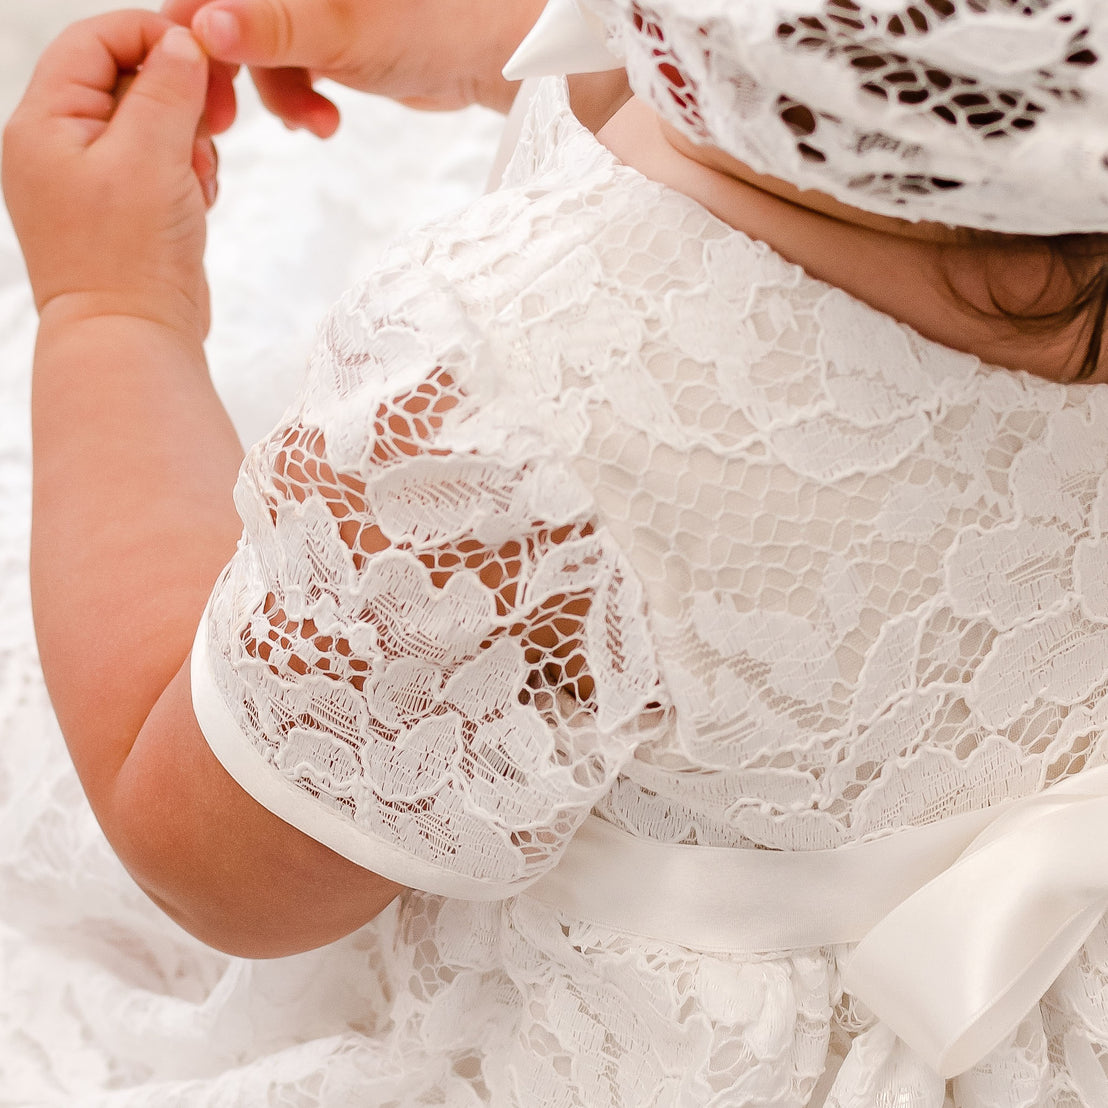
x,y
222,106
182,11
254,32
289,95
274,33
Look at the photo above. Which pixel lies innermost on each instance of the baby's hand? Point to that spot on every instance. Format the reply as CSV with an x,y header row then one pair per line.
x,y
107,172
424,53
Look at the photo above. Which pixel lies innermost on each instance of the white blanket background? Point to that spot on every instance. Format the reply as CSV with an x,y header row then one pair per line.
x,y
102,1000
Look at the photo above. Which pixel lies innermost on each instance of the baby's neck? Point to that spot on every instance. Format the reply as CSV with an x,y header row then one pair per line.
x,y
908,271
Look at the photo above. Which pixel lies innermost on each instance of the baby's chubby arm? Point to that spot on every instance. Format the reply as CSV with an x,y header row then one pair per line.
x,y
438,54
134,463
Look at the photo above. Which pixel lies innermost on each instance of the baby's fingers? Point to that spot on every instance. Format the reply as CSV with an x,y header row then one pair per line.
x,y
163,109
222,105
205,164
78,73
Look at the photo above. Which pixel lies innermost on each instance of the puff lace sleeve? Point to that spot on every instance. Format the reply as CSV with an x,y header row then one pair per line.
x,y
425,653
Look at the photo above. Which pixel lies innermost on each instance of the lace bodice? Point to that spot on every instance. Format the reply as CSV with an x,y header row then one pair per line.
x,y
590,502
593,501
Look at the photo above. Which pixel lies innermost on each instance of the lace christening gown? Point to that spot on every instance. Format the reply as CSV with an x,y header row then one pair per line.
x,y
592,504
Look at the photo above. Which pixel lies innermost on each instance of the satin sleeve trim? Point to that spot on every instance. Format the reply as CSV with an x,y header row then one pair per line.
x,y
236,753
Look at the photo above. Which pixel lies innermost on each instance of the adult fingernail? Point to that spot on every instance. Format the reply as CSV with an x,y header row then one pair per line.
x,y
218,29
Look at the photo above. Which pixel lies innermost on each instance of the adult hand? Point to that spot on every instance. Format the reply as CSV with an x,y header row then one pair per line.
x,y
435,54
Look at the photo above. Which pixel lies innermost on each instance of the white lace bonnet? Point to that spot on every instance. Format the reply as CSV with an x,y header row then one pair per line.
x,y
980,113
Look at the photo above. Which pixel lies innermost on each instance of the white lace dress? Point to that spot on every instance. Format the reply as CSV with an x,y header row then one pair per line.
x,y
591,503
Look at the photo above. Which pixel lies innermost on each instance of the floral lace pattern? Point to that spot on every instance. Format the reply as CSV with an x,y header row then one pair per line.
x,y
958,111
429,638
810,578
991,479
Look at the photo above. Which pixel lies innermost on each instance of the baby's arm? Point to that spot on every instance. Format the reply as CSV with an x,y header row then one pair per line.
x,y
134,462
425,53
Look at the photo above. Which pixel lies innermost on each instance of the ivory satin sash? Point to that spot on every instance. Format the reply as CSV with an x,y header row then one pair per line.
x,y
961,925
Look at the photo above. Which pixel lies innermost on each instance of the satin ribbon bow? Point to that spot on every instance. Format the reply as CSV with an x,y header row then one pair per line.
x,y
956,966
565,39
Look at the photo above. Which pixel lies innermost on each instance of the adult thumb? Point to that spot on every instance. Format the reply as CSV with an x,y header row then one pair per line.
x,y
164,105
267,33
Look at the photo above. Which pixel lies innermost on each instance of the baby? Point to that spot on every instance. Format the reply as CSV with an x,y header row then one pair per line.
x,y
657,486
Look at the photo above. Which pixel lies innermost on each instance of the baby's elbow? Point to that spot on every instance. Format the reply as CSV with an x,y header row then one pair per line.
x,y
249,894
222,932
222,866
268,925
243,932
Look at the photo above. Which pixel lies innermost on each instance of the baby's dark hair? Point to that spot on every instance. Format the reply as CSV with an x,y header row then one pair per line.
x,y
1074,288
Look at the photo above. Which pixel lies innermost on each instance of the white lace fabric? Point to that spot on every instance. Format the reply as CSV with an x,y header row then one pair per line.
x,y
978,113
592,503
424,632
